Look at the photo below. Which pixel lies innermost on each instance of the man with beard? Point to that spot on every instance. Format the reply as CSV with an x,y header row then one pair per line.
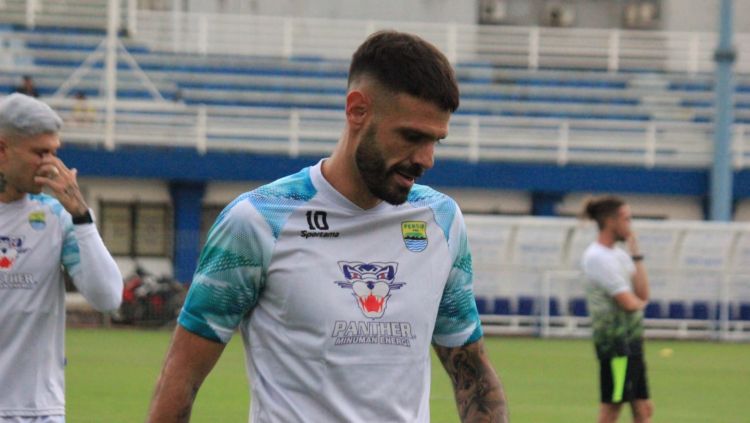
x,y
341,276
617,292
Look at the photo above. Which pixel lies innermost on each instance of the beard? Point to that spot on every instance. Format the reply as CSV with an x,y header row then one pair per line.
x,y
377,176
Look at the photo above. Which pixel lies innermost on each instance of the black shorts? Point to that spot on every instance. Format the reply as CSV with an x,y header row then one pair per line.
x,y
622,379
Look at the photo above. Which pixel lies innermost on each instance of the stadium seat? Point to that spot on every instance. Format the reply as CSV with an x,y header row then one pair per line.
x,y
677,310
481,305
700,310
554,307
502,307
526,306
578,307
653,310
744,311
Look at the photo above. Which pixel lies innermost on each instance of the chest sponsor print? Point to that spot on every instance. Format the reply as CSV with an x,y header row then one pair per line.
x,y
371,285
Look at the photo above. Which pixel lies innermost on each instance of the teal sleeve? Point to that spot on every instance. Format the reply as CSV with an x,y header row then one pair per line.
x,y
229,277
458,321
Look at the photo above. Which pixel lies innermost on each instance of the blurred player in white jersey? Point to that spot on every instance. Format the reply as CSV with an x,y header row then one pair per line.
x,y
342,276
617,291
40,237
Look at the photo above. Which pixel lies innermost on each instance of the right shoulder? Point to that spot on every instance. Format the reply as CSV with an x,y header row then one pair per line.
x,y
596,255
273,202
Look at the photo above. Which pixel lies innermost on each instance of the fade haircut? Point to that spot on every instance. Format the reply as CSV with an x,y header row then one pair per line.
x,y
23,117
405,63
600,209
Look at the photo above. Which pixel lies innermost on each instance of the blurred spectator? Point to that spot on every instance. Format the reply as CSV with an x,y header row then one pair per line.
x,y
27,87
83,112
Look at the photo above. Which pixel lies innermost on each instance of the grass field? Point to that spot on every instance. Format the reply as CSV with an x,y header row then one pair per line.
x,y
111,375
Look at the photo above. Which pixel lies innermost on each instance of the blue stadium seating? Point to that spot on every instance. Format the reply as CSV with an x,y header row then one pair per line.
x,y
554,307
744,312
481,305
700,310
527,306
578,307
677,310
317,82
653,310
502,307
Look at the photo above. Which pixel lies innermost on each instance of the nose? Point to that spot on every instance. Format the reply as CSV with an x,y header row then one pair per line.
x,y
424,155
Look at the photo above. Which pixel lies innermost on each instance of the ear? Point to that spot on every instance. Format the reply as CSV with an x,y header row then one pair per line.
x,y
358,109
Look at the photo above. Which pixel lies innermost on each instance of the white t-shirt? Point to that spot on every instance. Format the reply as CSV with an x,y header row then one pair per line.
x,y
610,268
338,306
37,236
609,272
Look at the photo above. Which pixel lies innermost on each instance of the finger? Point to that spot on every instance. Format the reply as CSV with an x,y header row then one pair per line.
x,y
61,164
46,181
49,171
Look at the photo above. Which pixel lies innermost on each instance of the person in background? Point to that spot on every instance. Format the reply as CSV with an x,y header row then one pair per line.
x,y
41,236
617,291
27,87
83,113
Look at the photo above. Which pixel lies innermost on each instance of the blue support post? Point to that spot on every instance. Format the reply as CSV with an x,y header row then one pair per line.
x,y
721,171
187,198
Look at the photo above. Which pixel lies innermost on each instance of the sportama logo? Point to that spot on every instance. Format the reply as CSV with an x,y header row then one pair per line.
x,y
10,248
371,285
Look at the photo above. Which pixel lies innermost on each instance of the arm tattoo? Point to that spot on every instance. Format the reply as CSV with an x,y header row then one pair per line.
x,y
2,182
478,391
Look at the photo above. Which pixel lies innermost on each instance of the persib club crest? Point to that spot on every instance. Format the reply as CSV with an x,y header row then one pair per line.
x,y
10,248
371,285
37,220
415,235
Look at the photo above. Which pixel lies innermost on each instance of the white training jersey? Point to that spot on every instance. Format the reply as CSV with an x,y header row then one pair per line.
x,y
38,238
610,269
338,306
608,273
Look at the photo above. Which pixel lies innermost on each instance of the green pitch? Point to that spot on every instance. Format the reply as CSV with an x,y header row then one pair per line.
x,y
111,376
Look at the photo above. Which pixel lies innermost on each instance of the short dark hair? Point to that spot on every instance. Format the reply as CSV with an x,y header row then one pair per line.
x,y
600,209
405,63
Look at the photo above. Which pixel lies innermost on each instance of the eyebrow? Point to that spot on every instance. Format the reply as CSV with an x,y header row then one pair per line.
x,y
421,134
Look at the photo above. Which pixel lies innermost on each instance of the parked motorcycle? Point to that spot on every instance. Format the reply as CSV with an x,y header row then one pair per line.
x,y
149,300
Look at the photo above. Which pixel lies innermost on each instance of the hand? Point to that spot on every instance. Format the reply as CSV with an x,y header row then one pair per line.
x,y
54,175
633,247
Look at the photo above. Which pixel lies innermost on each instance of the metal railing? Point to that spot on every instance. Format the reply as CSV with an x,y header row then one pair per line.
x,y
508,46
471,138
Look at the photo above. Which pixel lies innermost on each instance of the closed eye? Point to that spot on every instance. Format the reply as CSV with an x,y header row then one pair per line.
x,y
416,136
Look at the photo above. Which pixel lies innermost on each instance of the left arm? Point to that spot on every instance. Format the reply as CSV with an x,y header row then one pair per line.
x,y
479,393
84,254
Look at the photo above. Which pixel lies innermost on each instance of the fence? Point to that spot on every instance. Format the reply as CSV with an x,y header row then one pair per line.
x,y
472,138
528,47
527,278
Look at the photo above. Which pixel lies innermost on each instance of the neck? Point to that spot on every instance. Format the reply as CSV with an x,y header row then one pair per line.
x,y
340,170
607,239
10,195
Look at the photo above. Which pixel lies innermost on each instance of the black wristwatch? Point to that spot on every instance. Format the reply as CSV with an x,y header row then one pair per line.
x,y
84,219
637,257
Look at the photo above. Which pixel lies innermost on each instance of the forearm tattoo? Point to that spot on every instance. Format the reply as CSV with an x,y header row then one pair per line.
x,y
2,182
479,393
